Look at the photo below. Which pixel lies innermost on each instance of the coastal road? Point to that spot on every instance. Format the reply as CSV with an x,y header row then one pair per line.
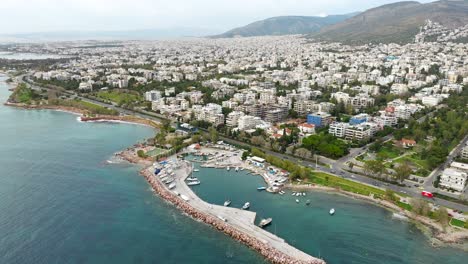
x,y
337,166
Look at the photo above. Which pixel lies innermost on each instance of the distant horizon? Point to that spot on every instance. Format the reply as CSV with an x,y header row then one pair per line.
x,y
88,16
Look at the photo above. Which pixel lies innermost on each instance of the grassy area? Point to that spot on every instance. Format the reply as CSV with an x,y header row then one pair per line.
x,y
346,185
456,222
92,108
405,206
448,198
156,151
388,151
119,98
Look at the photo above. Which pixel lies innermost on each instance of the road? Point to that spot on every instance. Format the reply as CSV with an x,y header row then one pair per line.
x,y
338,167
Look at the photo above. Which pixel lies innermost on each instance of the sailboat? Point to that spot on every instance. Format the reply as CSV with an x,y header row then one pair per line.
x,y
227,203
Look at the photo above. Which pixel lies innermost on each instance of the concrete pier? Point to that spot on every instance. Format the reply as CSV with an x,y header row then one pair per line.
x,y
239,223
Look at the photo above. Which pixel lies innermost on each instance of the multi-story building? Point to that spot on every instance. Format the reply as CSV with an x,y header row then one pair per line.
x,y
232,119
358,119
360,131
319,119
464,152
338,129
152,95
276,115
453,179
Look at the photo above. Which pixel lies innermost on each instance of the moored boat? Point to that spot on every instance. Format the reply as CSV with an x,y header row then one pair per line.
x,y
192,183
261,188
307,202
227,203
332,211
297,200
246,206
172,186
265,222
192,179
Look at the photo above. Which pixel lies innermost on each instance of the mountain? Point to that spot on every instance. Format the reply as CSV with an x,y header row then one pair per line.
x,y
397,22
284,25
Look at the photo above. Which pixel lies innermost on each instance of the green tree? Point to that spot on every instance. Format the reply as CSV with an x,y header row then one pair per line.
x,y
441,215
214,135
403,171
141,154
420,207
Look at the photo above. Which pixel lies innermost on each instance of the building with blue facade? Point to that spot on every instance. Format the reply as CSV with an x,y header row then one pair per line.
x,y
359,119
319,119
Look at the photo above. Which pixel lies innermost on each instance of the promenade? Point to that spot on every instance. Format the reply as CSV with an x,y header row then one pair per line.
x,y
239,223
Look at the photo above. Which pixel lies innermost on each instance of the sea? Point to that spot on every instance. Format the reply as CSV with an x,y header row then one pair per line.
x,y
64,199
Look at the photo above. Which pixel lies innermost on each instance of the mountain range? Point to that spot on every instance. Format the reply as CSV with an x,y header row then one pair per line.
x,y
398,22
285,25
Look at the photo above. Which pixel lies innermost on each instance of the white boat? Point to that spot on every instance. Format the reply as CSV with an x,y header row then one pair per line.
x,y
191,183
332,211
192,179
303,194
297,200
242,169
246,206
227,203
281,192
171,186
196,170
169,180
293,194
237,168
184,197
228,168
265,222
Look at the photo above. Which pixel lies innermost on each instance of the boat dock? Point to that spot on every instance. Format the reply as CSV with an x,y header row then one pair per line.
x,y
239,224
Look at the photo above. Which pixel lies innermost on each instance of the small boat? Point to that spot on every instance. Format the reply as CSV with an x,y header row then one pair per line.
x,y
293,194
169,180
192,179
242,169
265,222
246,206
261,188
332,211
228,168
227,203
303,194
192,183
184,197
222,218
196,170
237,168
307,202
297,200
172,186
281,192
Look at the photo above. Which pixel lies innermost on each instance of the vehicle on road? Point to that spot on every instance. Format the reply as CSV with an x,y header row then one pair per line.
x,y
427,194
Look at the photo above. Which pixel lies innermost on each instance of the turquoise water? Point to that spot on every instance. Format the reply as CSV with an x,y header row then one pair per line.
x,y
358,233
60,202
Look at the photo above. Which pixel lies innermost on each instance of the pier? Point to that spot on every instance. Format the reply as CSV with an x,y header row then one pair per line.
x,y
239,224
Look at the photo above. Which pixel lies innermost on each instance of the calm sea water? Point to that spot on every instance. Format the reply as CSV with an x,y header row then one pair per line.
x,y
60,202
358,233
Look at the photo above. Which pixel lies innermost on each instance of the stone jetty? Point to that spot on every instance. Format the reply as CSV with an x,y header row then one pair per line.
x,y
271,247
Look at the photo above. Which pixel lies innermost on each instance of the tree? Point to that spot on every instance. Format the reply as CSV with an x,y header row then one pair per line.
x,y
403,171
258,141
375,166
420,207
196,138
441,215
160,137
390,195
303,153
166,125
141,154
245,154
214,135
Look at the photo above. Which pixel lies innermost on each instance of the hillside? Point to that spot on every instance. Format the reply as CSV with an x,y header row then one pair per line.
x,y
284,25
398,22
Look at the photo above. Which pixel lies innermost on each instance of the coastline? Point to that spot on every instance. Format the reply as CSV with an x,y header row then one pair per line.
x,y
84,114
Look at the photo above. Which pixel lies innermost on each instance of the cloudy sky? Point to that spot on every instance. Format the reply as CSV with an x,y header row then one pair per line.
x,y
21,16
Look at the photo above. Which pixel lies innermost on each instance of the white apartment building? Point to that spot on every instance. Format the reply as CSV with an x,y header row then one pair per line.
x,y
152,95
232,119
360,131
386,120
249,122
399,88
338,129
453,179
431,100
464,152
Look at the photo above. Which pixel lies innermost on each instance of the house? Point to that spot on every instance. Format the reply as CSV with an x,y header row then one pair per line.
x,y
407,143
453,179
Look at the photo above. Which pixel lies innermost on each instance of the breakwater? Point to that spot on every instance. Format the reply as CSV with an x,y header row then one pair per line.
x,y
270,253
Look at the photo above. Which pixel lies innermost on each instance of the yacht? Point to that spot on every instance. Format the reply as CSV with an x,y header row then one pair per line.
x,y
227,203
191,183
246,206
265,222
332,211
192,179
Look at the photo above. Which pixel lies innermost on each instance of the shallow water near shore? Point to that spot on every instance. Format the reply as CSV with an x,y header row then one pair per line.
x,y
61,202
359,232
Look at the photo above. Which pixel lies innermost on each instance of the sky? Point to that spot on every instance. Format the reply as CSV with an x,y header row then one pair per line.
x,y
26,16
